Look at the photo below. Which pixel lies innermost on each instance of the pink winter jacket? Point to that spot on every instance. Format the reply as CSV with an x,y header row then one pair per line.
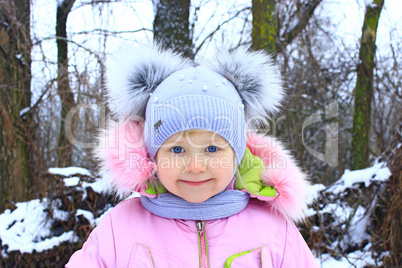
x,y
261,235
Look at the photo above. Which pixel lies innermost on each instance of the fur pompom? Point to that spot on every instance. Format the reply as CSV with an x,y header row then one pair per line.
x,y
134,75
123,157
281,172
256,79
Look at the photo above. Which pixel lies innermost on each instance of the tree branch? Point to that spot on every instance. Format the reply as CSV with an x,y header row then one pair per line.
x,y
299,20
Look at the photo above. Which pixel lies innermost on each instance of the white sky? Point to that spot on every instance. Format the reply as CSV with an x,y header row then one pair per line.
x,y
347,15
134,15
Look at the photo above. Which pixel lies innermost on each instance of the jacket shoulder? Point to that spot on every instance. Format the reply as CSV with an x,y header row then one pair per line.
x,y
131,204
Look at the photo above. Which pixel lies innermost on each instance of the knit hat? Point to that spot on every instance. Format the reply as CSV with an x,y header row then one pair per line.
x,y
172,93
195,98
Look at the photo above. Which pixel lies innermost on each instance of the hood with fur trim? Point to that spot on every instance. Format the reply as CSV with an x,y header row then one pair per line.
x,y
125,166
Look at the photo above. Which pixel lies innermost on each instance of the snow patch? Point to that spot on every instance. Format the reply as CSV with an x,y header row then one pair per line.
x,y
98,186
73,181
24,111
354,259
358,226
68,171
318,188
378,172
88,215
27,228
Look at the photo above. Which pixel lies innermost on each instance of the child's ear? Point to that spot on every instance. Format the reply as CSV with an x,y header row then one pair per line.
x,y
136,72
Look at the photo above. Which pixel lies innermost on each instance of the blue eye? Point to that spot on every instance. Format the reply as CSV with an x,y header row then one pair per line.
x,y
177,149
212,149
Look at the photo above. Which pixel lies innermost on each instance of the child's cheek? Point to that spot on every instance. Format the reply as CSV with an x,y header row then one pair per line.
x,y
221,163
163,163
171,164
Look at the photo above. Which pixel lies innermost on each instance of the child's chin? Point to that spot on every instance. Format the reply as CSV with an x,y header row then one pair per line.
x,y
196,199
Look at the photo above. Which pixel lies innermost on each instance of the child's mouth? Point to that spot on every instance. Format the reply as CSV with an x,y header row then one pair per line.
x,y
195,183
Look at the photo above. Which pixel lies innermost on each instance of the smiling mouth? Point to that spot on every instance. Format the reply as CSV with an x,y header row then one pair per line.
x,y
195,183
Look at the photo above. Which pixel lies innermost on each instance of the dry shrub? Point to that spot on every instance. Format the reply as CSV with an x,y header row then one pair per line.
x,y
57,196
330,232
387,216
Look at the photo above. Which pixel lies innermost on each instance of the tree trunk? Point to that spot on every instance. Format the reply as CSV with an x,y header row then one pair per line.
x,y
364,87
171,25
15,96
264,33
63,86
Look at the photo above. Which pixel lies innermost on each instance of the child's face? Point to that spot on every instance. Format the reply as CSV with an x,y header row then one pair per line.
x,y
195,165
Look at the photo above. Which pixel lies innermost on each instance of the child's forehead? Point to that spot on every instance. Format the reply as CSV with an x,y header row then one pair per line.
x,y
197,136
198,132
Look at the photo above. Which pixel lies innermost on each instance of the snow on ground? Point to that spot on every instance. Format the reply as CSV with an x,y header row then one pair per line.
x,y
353,220
354,259
350,179
73,181
27,227
68,171
98,186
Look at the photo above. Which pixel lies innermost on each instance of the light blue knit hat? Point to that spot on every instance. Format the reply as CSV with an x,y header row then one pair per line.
x,y
172,93
195,98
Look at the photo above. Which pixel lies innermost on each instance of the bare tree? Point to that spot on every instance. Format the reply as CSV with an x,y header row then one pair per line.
x,y
172,26
363,94
15,100
63,85
387,98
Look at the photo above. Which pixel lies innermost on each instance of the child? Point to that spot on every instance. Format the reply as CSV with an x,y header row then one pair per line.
x,y
212,195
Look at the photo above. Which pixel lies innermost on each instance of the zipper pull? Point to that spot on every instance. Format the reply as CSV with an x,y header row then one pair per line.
x,y
200,227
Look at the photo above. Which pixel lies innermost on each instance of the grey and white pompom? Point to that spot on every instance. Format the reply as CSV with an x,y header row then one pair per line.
x,y
134,75
256,79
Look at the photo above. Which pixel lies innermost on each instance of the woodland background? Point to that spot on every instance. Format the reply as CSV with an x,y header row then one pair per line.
x,y
343,105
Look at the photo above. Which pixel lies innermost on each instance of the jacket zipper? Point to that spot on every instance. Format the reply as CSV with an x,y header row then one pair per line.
x,y
202,244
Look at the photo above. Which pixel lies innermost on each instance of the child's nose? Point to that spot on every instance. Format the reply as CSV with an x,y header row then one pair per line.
x,y
196,163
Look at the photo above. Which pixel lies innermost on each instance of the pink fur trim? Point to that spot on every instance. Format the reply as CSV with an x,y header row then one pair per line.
x,y
123,157
124,161
282,173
